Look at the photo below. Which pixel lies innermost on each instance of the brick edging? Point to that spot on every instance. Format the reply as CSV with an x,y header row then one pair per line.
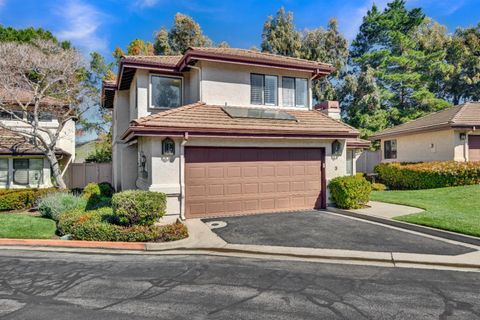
x,y
74,244
410,226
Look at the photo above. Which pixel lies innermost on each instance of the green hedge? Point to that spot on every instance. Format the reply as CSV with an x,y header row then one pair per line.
x,y
138,207
19,199
52,205
350,192
428,175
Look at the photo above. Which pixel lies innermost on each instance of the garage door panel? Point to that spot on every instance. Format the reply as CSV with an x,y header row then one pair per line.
x,y
251,180
474,148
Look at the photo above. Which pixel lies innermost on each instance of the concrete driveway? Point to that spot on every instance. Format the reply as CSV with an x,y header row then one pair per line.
x,y
321,229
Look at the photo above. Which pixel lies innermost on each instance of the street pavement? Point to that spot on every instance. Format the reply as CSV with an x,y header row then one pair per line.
x,y
53,285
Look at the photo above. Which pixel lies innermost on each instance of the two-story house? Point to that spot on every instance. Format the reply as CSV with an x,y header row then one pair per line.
x,y
226,131
22,164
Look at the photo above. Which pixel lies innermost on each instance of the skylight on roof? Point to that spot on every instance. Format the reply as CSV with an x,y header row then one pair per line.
x,y
256,113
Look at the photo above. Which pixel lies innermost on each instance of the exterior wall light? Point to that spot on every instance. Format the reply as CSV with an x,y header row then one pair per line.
x,y
463,136
336,148
168,147
143,165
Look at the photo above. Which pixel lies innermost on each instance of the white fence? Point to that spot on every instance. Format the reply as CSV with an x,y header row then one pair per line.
x,y
78,175
368,160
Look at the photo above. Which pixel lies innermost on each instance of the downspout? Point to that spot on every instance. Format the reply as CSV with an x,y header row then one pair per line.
x,y
199,82
182,175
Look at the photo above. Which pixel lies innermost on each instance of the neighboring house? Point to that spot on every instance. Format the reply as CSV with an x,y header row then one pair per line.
x,y
450,134
227,131
22,164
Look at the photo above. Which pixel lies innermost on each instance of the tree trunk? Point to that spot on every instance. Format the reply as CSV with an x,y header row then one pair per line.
x,y
57,173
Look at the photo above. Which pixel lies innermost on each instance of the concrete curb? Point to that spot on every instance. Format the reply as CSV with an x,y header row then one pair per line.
x,y
410,226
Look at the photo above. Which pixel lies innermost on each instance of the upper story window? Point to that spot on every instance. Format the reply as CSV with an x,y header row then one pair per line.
x,y
4,115
263,89
42,116
166,92
390,149
294,92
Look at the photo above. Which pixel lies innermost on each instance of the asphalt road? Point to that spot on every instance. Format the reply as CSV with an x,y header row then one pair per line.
x,y
40,286
321,229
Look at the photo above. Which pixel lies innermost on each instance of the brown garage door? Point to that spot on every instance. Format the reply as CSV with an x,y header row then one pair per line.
x,y
229,181
474,148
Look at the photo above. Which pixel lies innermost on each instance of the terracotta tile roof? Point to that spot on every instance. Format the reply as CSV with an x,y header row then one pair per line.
x,y
14,144
256,56
202,118
26,97
358,143
159,61
464,115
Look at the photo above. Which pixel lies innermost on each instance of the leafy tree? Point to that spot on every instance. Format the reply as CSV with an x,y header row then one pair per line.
x,y
464,56
161,45
186,33
328,46
29,35
139,47
362,95
102,152
280,36
405,54
223,44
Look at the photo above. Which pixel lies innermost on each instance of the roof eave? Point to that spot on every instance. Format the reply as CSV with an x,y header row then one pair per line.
x,y
320,70
145,130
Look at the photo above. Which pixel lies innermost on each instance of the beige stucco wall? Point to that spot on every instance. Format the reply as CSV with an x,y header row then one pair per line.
x,y
423,147
230,83
165,173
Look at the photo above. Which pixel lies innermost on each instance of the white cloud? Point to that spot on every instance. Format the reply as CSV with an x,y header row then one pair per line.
x,y
80,24
145,3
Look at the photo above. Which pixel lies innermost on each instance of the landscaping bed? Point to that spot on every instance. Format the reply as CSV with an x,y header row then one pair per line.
x,y
97,214
454,208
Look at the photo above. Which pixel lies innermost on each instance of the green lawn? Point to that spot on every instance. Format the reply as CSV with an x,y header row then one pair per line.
x,y
455,209
23,226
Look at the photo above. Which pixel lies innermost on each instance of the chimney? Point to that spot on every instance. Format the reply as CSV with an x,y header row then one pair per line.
x,y
330,108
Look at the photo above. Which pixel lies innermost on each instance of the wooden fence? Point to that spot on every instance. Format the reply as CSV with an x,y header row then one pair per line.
x,y
78,175
368,160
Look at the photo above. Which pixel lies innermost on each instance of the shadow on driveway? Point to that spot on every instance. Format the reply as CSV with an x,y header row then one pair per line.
x,y
320,229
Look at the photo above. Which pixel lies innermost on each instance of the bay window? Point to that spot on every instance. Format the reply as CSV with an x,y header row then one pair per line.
x,y
166,92
263,89
294,92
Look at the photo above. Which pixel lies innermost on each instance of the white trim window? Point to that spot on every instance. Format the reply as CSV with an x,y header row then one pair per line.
x,y
3,172
165,91
294,92
263,89
27,172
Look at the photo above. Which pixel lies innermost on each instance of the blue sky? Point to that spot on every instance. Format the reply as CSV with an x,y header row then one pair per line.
x,y
103,25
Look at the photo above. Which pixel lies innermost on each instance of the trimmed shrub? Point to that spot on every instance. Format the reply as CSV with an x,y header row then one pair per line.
x,y
19,199
91,190
106,189
350,192
67,220
378,187
428,175
173,232
138,207
53,204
